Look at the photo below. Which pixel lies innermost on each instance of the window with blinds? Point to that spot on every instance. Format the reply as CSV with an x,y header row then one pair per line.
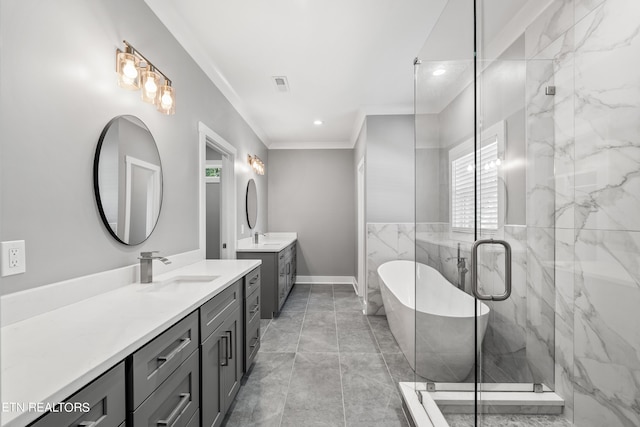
x,y
462,170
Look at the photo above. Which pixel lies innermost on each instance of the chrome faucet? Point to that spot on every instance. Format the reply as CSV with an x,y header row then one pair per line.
x,y
146,265
462,267
256,237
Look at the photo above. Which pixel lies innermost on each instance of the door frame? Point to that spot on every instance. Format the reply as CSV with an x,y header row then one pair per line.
x,y
228,206
361,233
153,194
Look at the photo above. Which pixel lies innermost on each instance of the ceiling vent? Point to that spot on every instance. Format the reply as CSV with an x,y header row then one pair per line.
x,y
281,82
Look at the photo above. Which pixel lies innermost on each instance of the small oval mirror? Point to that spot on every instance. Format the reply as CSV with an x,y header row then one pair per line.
x,y
252,204
127,179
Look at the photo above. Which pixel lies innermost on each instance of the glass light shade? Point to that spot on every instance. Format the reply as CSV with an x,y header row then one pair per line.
x,y
149,83
166,100
256,164
127,69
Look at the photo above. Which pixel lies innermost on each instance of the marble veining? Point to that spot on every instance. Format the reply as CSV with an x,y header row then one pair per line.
x,y
507,420
555,20
385,242
564,277
518,345
607,102
585,147
607,339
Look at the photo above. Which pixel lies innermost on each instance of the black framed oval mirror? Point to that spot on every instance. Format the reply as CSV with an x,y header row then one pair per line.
x,y
127,180
252,204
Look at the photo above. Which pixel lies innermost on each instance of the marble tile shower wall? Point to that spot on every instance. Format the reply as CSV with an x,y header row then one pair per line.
x,y
518,345
385,242
585,146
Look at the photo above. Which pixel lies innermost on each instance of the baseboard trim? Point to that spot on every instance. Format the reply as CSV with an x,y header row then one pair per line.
x,y
327,280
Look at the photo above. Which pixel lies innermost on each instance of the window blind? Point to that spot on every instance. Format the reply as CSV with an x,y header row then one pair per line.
x,y
462,170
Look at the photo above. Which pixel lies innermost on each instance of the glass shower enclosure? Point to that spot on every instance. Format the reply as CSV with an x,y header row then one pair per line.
x,y
486,214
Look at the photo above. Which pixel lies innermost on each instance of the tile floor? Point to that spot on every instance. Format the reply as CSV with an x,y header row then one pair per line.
x,y
323,363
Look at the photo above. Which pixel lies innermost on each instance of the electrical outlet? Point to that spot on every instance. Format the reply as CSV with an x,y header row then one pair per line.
x,y
13,257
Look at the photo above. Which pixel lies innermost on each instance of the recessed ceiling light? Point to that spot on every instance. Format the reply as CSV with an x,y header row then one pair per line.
x,y
439,72
317,122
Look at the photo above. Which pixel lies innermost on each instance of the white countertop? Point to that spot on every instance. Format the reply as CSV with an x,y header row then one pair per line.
x,y
49,357
268,242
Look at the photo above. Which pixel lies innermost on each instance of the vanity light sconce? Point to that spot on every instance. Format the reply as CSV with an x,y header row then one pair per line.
x,y
137,72
256,164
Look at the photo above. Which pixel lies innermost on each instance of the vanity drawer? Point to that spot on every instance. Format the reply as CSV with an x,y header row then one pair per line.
x,y
176,401
252,307
106,398
154,363
195,420
218,308
251,282
252,342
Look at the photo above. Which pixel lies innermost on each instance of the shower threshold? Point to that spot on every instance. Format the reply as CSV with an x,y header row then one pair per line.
x,y
430,406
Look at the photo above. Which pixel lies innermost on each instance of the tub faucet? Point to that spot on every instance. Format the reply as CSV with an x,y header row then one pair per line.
x,y
146,265
462,267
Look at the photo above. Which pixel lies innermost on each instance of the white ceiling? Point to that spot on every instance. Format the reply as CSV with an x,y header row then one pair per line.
x,y
343,59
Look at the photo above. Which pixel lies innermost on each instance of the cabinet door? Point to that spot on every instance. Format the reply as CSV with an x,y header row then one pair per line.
x,y
214,354
282,280
222,361
289,271
231,372
294,264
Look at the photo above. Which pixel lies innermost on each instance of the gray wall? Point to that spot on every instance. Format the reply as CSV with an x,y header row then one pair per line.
x,y
50,124
213,220
213,211
311,192
390,169
359,151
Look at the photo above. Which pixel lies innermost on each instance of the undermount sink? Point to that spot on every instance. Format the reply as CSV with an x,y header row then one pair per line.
x,y
182,280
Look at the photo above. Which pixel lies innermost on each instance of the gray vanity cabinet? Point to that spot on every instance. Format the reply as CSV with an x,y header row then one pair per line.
x,y
222,351
187,376
252,284
157,360
106,397
213,355
278,277
164,377
176,401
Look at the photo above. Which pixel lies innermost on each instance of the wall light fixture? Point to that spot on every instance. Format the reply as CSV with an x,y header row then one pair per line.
x,y
137,72
256,164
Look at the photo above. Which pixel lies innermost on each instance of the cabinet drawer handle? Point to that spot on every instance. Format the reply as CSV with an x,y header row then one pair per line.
x,y
92,423
257,340
184,399
226,350
182,346
254,280
230,344
255,308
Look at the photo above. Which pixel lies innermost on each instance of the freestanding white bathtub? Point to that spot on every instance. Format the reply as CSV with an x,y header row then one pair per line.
x,y
443,344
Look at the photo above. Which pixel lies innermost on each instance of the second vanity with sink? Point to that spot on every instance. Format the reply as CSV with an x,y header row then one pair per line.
x,y
278,254
170,352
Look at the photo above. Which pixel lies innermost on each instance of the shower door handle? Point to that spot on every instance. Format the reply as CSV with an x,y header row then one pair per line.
x,y
507,270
